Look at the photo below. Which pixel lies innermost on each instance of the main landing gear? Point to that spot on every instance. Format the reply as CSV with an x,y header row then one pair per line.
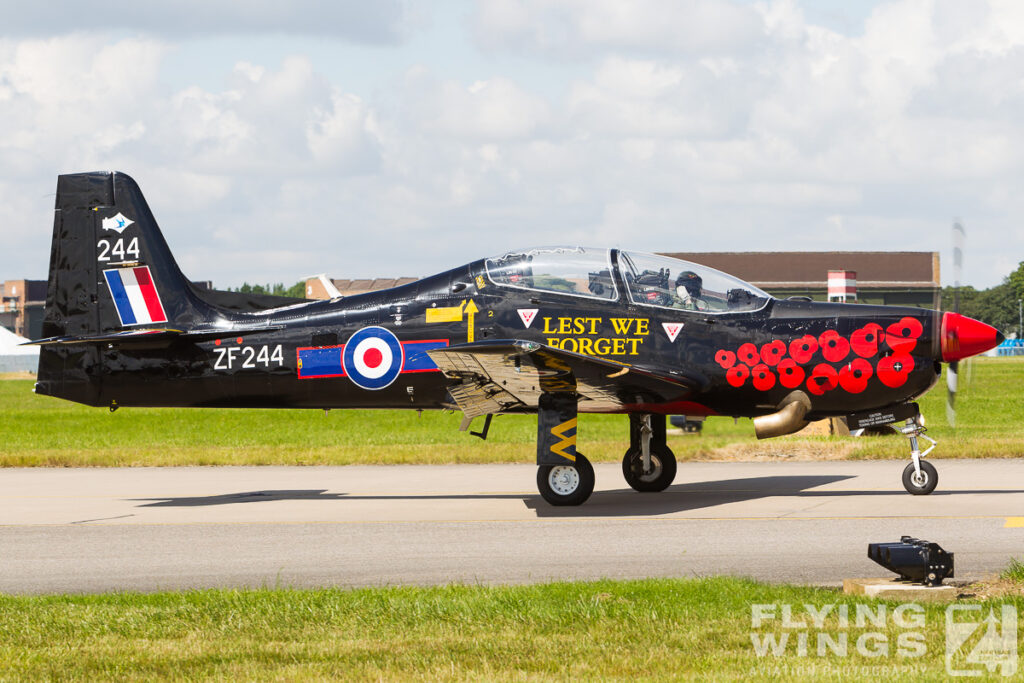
x,y
649,465
566,477
566,484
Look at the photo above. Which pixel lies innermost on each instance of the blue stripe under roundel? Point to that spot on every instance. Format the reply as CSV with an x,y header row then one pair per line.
x,y
416,358
320,362
325,361
120,294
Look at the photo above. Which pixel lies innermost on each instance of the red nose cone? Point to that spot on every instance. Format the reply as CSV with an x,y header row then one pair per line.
x,y
963,337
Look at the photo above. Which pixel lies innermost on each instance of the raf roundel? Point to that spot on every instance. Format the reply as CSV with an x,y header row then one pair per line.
x,y
373,358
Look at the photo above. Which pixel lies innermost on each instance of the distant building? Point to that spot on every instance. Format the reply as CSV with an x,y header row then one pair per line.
x,y
21,307
894,278
320,287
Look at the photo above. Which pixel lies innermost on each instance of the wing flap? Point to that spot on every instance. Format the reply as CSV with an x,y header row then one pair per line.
x,y
510,376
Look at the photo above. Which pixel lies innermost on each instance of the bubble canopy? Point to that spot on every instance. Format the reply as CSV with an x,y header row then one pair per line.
x,y
650,280
667,282
575,271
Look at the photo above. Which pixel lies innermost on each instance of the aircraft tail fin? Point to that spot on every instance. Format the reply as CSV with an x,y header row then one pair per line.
x,y
111,271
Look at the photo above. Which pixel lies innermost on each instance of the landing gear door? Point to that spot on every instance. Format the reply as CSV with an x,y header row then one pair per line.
x,y
556,430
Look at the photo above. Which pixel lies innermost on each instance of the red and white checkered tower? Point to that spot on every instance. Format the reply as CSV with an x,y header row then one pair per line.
x,y
842,286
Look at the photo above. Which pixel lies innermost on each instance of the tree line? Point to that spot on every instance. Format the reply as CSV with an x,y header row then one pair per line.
x,y
298,290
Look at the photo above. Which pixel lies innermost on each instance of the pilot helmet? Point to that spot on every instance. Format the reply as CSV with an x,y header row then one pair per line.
x,y
691,281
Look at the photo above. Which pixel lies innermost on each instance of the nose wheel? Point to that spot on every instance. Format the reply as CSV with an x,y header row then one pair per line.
x,y
922,482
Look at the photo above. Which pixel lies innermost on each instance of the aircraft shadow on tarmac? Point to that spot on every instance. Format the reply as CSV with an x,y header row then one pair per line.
x,y
307,494
692,496
616,503
707,494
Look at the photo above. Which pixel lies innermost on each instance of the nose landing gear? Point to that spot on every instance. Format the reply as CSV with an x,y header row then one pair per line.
x,y
919,477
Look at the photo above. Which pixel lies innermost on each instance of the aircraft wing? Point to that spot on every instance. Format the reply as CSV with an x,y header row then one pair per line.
x,y
510,376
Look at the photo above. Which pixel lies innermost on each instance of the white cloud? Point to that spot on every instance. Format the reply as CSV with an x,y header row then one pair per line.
x,y
584,27
380,21
629,98
681,126
345,135
493,109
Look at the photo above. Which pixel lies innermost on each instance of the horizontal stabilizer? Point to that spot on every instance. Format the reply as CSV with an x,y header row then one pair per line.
x,y
111,337
128,337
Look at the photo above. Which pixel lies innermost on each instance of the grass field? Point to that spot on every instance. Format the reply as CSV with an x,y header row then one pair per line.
x,y
39,430
653,629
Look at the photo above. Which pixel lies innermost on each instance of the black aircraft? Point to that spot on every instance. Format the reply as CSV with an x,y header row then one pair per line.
x,y
553,331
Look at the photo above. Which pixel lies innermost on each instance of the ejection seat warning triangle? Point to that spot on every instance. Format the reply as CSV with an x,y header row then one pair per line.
x,y
672,330
527,315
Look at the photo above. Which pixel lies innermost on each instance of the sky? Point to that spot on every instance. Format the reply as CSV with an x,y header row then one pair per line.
x,y
275,141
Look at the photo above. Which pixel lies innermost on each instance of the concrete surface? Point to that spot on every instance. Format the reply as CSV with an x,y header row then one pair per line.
x,y
87,530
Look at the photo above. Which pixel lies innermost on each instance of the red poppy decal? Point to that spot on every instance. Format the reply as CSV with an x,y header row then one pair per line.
x,y
737,375
864,341
748,354
791,375
833,346
726,359
893,370
773,352
823,378
854,375
803,348
764,378
845,362
902,336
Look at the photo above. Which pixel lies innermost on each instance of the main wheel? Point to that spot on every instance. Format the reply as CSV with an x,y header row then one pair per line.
x,y
925,483
566,484
663,469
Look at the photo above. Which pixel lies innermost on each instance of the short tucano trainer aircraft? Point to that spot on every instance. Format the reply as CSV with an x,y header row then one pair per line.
x,y
553,331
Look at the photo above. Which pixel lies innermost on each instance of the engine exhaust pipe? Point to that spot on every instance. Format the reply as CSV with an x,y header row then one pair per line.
x,y
787,420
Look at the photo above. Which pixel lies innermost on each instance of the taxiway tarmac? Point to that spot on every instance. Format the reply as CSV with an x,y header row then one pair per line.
x,y
145,529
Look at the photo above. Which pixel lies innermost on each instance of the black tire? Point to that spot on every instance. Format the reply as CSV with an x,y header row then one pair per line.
x,y
929,475
566,484
663,469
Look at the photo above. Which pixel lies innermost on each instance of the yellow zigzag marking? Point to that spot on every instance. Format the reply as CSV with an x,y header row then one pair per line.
x,y
566,441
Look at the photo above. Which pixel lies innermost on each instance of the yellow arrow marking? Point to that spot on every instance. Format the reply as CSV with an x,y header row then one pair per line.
x,y
1014,522
471,311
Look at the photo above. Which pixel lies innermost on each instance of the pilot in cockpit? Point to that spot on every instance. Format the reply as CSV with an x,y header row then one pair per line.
x,y
689,287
